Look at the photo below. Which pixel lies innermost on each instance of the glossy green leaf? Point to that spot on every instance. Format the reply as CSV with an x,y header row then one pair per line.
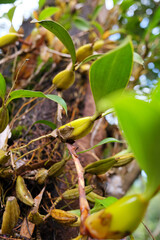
x,y
107,201
137,58
57,99
48,12
27,93
11,13
62,34
41,3
140,122
102,203
81,23
104,141
48,123
99,204
2,87
111,72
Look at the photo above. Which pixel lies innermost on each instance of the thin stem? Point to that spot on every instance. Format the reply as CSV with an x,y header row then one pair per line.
x,y
25,104
84,206
34,140
27,153
53,206
15,80
49,90
12,161
14,64
14,55
58,53
148,231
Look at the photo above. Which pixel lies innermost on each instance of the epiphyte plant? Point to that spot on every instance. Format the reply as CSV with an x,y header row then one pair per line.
x,y
104,81
120,58
131,113
105,224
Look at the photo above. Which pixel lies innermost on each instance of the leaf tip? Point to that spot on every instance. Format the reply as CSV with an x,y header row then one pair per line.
x,y
34,21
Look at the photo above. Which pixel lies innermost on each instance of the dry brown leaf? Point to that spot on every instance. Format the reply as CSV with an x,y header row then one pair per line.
x,y
27,227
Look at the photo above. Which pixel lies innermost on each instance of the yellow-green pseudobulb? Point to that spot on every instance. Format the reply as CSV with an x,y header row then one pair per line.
x,y
41,175
23,193
8,39
10,216
64,79
98,45
4,157
75,129
83,52
118,220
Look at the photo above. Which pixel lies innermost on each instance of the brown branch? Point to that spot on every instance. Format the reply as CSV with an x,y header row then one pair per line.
x,y
151,235
14,55
84,206
58,53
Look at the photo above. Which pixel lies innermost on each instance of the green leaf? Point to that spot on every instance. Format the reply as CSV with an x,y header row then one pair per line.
x,y
27,93
137,58
104,141
97,207
48,123
107,201
154,22
96,11
6,1
115,1
90,58
81,23
48,12
119,30
41,3
111,72
98,26
2,87
11,13
62,34
140,122
76,212
126,4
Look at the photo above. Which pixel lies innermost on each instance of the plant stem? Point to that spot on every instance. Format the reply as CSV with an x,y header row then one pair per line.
x,y
53,206
152,189
148,231
34,140
84,206
15,80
